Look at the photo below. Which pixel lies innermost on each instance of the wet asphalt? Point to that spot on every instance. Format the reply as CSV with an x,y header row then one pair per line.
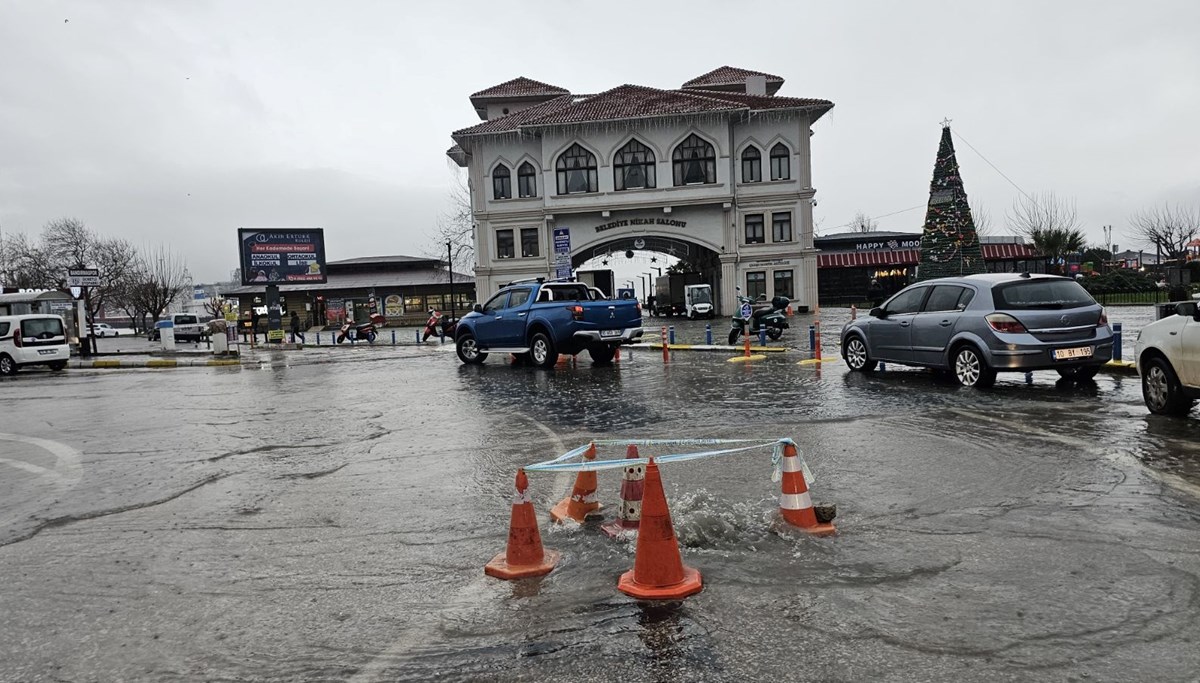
x,y
325,515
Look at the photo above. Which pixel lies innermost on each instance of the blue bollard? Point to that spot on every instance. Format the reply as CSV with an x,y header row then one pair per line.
x,y
812,338
1029,378
393,337
671,334
762,336
708,334
418,333
318,339
443,336
1116,354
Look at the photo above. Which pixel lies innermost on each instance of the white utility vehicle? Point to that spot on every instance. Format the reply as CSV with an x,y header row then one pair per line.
x,y
32,340
1168,360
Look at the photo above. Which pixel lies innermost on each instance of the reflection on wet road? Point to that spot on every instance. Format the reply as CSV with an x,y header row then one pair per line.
x,y
331,521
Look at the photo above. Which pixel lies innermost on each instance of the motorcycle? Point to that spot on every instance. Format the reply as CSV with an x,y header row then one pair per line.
x,y
771,318
367,330
439,324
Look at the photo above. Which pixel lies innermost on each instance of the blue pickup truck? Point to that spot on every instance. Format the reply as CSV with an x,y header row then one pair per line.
x,y
538,320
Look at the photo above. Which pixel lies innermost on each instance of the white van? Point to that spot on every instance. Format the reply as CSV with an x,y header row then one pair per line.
x,y
32,340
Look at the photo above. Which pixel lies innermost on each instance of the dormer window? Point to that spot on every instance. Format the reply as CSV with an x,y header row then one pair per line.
x,y
633,167
576,171
694,162
526,180
781,167
501,183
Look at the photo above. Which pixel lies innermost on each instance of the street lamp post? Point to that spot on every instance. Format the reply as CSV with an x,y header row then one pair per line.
x,y
450,269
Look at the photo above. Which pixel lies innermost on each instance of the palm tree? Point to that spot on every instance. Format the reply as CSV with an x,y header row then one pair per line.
x,y
1057,243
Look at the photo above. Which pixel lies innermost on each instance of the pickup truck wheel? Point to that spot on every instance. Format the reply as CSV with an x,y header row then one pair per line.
x,y
602,355
8,366
1162,391
468,350
541,351
733,336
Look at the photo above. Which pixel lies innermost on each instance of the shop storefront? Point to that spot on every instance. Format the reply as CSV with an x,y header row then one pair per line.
x,y
401,288
848,262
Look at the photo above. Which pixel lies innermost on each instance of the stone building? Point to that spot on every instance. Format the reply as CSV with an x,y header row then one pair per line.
x,y
716,172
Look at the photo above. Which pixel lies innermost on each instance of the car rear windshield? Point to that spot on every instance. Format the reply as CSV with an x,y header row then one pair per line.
x,y
42,328
1048,294
185,320
567,293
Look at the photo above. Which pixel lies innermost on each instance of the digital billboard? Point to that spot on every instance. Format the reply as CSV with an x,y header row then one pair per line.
x,y
282,256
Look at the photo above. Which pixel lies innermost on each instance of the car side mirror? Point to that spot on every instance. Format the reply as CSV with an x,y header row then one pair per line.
x,y
877,312
478,308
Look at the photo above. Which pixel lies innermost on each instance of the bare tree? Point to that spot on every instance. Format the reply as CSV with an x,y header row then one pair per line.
x,y
160,279
21,263
1168,228
1042,212
863,223
981,218
456,226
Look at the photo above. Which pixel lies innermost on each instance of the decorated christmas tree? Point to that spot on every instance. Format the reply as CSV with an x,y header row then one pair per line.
x,y
949,243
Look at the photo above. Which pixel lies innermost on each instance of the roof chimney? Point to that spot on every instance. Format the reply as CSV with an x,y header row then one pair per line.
x,y
756,85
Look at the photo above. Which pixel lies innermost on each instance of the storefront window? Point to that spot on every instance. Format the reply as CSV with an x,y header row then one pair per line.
x,y
414,303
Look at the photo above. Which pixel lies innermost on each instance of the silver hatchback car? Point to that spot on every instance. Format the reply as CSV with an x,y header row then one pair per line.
x,y
977,325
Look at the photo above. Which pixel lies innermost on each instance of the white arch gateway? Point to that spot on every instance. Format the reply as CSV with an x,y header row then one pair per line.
x,y
717,172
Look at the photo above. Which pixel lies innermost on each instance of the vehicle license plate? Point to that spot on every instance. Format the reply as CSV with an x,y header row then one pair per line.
x,y
46,352
1076,352
610,333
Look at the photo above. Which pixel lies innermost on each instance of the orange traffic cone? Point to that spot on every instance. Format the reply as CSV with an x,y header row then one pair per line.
x,y
582,502
794,503
632,485
524,556
658,571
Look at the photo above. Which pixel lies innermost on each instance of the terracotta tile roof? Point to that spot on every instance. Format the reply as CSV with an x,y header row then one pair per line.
x,y
511,122
635,102
632,102
518,88
762,101
727,75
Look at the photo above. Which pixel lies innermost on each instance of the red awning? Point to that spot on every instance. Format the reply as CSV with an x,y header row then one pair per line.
x,y
1010,251
855,259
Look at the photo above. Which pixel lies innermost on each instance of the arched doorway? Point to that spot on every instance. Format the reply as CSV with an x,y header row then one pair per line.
x,y
639,260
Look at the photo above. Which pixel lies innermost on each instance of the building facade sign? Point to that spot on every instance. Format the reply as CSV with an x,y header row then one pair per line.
x,y
641,221
888,244
562,252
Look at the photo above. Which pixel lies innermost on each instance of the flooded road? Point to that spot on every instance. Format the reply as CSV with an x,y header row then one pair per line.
x,y
330,520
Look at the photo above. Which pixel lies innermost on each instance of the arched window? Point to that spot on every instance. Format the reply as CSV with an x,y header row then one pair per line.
x,y
576,171
781,165
526,180
751,165
694,162
501,183
633,167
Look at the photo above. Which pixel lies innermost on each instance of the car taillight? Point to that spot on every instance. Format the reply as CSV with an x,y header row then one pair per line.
x,y
17,339
1103,318
576,312
1003,322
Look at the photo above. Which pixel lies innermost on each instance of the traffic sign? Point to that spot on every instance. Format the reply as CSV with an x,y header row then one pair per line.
x,y
83,277
747,311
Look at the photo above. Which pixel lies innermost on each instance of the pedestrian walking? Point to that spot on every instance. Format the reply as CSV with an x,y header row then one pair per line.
x,y
296,333
254,327
875,293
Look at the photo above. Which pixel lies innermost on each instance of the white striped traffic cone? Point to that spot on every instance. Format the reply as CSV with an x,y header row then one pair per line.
x,y
632,484
794,502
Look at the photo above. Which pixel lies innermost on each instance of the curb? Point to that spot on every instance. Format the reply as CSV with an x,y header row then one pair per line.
x,y
714,347
152,363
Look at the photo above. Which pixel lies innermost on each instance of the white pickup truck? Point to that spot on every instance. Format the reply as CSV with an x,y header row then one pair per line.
x,y
1168,359
187,328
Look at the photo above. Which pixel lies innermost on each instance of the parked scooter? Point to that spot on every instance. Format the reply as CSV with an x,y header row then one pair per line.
x,y
771,317
367,330
439,324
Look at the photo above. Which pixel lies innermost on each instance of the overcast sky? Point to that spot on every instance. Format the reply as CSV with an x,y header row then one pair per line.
x,y
178,122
